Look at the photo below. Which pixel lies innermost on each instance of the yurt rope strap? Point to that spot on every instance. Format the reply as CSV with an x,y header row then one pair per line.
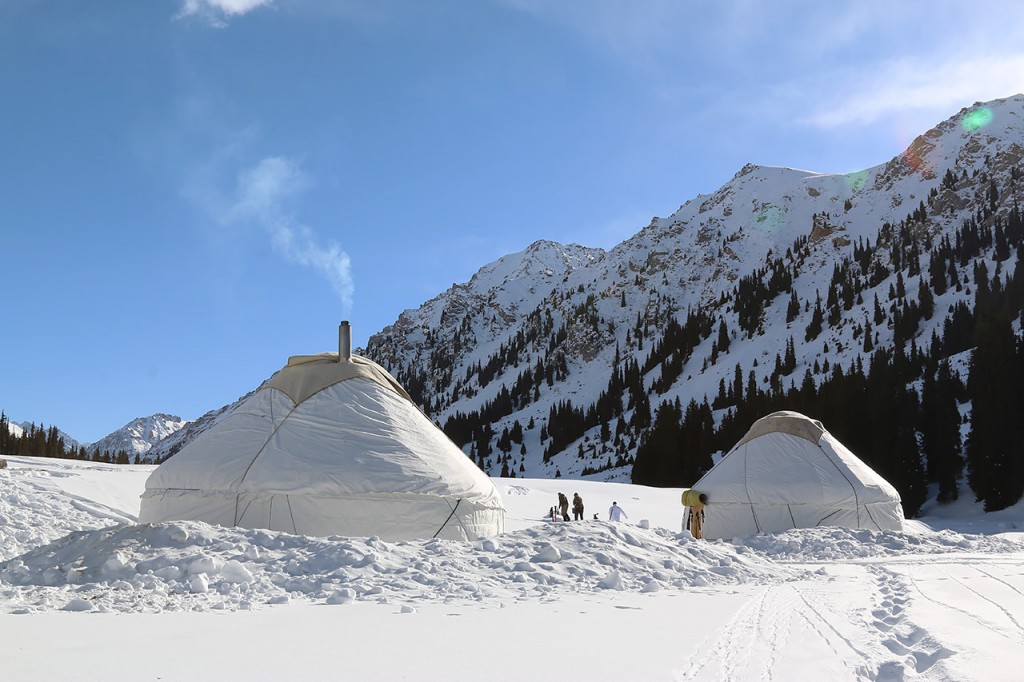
x,y
867,510
457,502
746,489
853,488
239,517
295,528
828,516
258,453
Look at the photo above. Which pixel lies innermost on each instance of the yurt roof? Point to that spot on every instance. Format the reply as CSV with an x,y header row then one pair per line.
x,y
307,375
784,421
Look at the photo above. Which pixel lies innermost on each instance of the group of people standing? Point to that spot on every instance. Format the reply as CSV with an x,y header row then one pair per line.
x,y
615,512
563,507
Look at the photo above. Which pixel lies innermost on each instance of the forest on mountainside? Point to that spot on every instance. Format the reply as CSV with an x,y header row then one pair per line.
x,y
902,408
902,412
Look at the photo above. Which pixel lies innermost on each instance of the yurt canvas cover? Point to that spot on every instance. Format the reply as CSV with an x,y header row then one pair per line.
x,y
789,472
330,445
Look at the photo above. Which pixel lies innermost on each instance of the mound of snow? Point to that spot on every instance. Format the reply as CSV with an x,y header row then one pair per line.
x,y
193,566
44,499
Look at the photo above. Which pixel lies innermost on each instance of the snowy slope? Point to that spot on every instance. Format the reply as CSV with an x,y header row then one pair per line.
x,y
587,601
690,261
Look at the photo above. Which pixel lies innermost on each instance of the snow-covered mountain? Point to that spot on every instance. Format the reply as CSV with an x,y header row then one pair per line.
x,y
15,430
18,430
557,328
554,322
138,436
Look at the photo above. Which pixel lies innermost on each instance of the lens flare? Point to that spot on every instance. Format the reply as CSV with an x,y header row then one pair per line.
x,y
854,181
976,118
913,159
771,218
919,157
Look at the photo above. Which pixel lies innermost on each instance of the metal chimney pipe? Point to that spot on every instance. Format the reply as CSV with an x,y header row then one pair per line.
x,y
344,341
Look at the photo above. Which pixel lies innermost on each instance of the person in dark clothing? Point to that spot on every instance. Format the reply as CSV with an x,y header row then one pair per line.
x,y
563,506
577,507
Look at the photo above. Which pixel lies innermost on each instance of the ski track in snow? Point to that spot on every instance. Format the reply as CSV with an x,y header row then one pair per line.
x,y
984,612
997,604
885,639
754,642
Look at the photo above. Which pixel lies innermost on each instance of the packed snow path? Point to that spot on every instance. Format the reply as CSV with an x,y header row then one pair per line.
x,y
885,606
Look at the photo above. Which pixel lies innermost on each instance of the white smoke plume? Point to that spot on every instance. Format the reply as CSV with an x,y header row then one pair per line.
x,y
217,12
259,198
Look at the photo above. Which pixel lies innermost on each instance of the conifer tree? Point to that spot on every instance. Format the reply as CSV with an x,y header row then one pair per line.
x,y
5,434
658,458
995,449
925,300
815,325
697,441
911,481
879,313
940,431
793,309
723,337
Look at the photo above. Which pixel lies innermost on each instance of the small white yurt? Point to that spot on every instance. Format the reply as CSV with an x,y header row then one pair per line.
x,y
329,445
789,472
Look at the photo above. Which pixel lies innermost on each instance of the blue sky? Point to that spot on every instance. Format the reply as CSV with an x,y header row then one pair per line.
x,y
193,190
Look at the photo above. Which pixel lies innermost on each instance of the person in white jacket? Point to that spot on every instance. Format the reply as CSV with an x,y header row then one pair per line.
x,y
615,512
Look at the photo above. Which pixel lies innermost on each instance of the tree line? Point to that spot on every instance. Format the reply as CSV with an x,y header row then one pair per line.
x,y
43,441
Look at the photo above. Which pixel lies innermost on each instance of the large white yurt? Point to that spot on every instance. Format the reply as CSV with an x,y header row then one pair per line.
x,y
789,472
330,445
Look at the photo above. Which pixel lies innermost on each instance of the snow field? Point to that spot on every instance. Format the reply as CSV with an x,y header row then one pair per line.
x,y
589,600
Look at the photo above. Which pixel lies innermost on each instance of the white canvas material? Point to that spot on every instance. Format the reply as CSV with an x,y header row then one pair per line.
x,y
354,456
789,472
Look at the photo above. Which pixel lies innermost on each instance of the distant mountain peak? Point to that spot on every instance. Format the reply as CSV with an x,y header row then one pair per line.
x,y
542,258
138,436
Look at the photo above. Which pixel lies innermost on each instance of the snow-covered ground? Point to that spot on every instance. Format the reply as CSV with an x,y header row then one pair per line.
x,y
86,594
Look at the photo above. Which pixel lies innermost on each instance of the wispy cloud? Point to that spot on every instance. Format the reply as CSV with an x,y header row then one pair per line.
x,y
824,66
640,35
260,196
217,12
918,84
262,189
